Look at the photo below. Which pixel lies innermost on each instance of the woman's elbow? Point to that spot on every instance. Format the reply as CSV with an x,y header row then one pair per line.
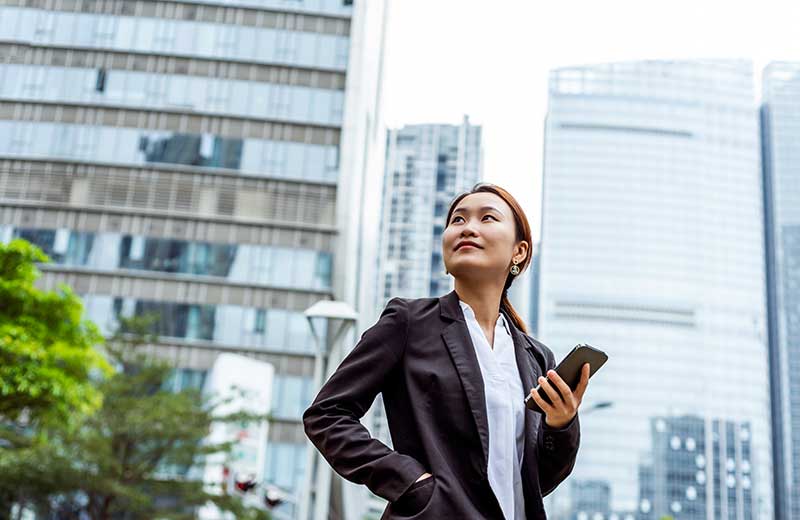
x,y
311,423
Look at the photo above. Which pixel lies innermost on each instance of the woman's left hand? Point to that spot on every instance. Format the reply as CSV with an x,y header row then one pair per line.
x,y
563,409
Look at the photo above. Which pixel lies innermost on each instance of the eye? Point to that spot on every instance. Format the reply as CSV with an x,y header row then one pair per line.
x,y
454,218
489,216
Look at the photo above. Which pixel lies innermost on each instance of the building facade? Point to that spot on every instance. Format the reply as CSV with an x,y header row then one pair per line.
x,y
652,250
699,468
200,160
780,115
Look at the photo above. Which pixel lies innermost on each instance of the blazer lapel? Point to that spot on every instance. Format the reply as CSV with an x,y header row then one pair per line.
x,y
462,351
529,370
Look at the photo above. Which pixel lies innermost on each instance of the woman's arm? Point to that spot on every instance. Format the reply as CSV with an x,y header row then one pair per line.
x,y
558,447
332,421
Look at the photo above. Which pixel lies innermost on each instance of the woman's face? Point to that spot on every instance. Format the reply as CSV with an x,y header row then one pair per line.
x,y
487,221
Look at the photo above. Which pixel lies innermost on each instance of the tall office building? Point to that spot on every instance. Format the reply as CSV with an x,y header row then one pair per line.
x,y
204,160
427,166
591,498
699,468
781,144
652,250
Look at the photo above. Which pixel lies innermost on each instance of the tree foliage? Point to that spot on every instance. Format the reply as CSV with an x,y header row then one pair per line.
x,y
91,433
47,348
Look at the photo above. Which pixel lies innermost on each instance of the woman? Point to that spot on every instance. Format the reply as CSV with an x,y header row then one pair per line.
x,y
454,372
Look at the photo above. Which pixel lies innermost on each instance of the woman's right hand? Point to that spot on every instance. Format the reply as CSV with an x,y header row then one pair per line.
x,y
423,476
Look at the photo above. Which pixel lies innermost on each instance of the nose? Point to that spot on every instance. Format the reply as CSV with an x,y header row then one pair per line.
x,y
468,229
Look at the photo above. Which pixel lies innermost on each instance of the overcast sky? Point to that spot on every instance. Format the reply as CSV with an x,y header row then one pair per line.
x,y
490,60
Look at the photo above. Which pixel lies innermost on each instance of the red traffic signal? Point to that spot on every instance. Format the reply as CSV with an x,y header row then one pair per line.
x,y
273,497
244,483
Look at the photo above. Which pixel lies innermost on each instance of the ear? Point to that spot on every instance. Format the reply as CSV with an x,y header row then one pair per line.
x,y
521,251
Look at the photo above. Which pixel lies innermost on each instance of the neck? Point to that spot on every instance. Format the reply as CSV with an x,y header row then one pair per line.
x,y
484,299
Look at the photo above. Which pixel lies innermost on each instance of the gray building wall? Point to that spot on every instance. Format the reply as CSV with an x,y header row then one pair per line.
x,y
200,160
781,151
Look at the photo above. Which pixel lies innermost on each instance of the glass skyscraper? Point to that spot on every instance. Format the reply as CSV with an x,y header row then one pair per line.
x,y
653,250
781,144
200,160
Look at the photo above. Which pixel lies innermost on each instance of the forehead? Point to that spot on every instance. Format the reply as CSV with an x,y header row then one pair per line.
x,y
475,201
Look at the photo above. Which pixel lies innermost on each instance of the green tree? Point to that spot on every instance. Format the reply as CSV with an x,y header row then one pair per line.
x,y
133,458
47,348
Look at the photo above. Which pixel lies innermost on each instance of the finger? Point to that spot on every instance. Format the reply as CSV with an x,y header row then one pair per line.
x,y
584,382
546,408
550,391
563,387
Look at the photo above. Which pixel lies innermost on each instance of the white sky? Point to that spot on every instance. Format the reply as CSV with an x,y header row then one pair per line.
x,y
490,60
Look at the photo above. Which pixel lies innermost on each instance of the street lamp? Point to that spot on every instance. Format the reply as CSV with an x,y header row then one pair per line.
x,y
329,322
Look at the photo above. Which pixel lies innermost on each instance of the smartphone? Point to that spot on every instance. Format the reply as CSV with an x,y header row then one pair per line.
x,y
570,371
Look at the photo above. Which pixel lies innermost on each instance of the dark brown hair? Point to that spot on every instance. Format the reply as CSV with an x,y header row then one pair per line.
x,y
523,233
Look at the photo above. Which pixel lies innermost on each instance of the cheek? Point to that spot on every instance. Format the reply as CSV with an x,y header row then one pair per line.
x,y
499,237
447,236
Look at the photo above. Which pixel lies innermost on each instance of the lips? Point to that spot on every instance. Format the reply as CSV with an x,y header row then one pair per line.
x,y
462,244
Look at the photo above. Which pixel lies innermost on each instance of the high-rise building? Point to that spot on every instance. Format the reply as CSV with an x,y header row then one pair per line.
x,y
208,161
699,468
427,166
781,151
592,498
652,250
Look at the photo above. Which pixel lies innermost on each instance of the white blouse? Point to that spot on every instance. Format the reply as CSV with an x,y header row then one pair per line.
x,y
505,411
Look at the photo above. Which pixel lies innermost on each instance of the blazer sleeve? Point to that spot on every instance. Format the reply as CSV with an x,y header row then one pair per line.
x,y
332,421
558,447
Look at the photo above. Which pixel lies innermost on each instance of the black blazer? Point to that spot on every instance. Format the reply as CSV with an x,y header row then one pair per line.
x,y
420,356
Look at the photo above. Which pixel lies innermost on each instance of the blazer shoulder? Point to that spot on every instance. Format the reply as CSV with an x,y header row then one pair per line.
x,y
415,306
535,342
545,351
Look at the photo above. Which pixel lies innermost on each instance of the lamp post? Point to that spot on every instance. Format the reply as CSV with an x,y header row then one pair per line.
x,y
329,322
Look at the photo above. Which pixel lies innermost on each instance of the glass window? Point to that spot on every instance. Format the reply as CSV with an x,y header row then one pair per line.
x,y
185,36
281,269
277,322
304,267
299,333
260,325
176,37
290,396
132,146
283,462
10,22
324,268
288,267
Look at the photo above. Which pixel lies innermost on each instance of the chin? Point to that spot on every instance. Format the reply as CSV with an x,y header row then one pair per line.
x,y
468,269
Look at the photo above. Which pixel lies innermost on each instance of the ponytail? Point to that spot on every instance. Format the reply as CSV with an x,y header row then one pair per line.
x,y
505,303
